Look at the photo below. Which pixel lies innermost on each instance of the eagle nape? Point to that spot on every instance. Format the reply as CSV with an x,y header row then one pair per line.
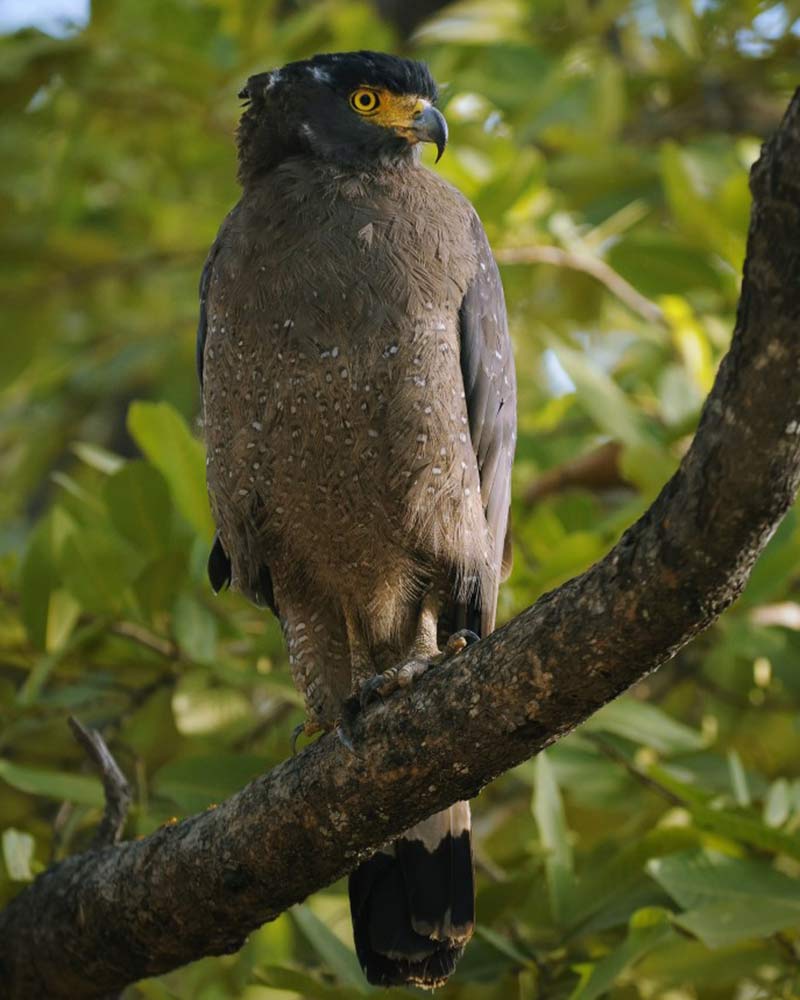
x,y
359,412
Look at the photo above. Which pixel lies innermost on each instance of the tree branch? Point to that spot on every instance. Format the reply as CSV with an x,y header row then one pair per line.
x,y
595,470
105,918
593,266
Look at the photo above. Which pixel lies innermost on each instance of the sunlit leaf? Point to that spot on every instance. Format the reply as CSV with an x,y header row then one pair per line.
x,y
648,930
644,723
52,784
738,779
777,804
18,848
602,399
40,580
731,920
164,437
98,458
337,957
696,878
548,810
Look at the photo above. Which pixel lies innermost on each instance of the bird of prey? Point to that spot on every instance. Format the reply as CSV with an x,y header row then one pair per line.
x,y
359,415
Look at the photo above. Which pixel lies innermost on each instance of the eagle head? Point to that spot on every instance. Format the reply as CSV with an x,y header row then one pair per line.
x,y
351,108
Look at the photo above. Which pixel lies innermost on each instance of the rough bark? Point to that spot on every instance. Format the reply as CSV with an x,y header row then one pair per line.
x,y
106,918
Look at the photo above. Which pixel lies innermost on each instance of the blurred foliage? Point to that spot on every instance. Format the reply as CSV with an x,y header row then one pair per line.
x,y
655,853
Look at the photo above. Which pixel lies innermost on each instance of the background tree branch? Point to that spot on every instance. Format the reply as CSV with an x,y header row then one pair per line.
x,y
105,918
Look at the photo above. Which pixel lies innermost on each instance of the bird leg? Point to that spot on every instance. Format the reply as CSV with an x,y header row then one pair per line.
x,y
361,668
425,653
361,665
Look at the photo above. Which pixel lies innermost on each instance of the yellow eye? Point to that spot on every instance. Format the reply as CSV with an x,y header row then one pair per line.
x,y
364,101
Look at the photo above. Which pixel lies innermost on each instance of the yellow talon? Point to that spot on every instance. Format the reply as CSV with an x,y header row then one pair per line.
x,y
308,728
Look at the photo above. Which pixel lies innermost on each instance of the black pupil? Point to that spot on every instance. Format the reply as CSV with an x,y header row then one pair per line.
x,y
365,100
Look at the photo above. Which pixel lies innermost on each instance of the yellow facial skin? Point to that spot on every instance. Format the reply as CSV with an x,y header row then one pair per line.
x,y
395,111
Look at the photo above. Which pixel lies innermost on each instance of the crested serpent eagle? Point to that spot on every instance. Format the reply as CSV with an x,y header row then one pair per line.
x,y
359,416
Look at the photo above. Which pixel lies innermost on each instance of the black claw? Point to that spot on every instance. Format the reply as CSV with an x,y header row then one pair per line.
x,y
371,691
296,736
467,634
345,736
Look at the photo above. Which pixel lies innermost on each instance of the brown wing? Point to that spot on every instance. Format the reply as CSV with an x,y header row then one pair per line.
x,y
487,366
219,564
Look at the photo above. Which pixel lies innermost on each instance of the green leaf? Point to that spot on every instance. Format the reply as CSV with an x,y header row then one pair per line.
x,y
644,723
44,665
691,342
195,629
747,830
161,581
503,945
202,708
732,920
604,401
777,804
698,877
77,492
734,826
679,20
305,985
338,958
741,791
162,434
589,776
52,784
649,928
660,263
603,884
685,960
195,783
698,216
479,21
548,809
48,619
97,567
139,505
18,850
98,458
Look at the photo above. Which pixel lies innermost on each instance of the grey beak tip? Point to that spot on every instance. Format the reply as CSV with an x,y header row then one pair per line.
x,y
432,127
441,139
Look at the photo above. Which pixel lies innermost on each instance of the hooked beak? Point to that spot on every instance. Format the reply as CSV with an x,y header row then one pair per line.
x,y
429,125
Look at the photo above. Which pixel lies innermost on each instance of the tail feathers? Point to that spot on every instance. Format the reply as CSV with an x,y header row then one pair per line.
x,y
413,904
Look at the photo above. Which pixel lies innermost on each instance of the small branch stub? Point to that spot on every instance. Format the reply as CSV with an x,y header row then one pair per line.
x,y
115,785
